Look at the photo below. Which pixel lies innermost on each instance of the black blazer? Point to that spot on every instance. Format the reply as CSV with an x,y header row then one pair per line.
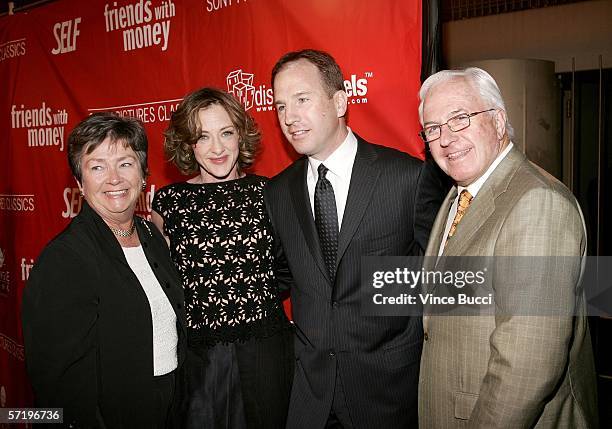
x,y
390,208
87,325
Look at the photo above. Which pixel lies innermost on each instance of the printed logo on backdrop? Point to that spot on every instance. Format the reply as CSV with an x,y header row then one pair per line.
x,y
142,24
5,275
12,49
66,33
11,347
148,112
356,87
5,279
45,125
214,5
72,206
240,84
17,202
26,267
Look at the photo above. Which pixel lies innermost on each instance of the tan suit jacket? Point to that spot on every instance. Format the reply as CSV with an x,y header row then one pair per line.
x,y
503,370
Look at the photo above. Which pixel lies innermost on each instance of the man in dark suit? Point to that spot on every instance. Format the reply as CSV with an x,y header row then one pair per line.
x,y
346,198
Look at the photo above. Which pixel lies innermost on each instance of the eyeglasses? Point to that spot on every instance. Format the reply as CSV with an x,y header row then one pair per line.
x,y
456,123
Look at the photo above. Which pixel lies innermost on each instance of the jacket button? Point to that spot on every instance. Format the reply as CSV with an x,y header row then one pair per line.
x,y
167,285
335,304
155,265
145,244
178,305
426,336
332,353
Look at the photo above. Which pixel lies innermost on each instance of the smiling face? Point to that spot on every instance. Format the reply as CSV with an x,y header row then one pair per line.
x,y
312,121
218,147
111,181
467,154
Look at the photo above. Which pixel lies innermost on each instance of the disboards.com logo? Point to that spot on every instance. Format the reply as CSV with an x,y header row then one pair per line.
x,y
240,84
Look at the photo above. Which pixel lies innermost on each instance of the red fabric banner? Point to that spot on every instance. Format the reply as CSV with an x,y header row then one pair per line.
x,y
67,59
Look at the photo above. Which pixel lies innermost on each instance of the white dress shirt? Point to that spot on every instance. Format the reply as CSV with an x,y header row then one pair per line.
x,y
473,189
340,166
165,337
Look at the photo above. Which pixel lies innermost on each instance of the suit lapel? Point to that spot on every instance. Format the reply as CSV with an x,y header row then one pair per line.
x,y
303,211
111,248
363,182
437,231
480,209
102,233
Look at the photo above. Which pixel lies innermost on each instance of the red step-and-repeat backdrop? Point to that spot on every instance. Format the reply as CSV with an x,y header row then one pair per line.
x,y
67,59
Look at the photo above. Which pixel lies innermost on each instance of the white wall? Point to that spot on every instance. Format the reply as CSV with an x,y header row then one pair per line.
x,y
530,92
581,30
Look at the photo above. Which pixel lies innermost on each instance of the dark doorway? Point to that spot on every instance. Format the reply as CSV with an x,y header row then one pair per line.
x,y
587,119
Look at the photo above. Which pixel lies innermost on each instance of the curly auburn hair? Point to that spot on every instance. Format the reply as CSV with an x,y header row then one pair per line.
x,y
184,129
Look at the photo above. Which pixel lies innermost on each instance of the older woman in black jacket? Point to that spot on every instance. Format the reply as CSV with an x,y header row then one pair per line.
x,y
103,316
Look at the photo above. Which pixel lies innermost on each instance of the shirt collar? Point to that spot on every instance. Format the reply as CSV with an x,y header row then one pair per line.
x,y
337,162
473,188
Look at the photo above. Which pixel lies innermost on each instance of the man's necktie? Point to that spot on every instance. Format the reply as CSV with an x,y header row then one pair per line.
x,y
326,220
465,198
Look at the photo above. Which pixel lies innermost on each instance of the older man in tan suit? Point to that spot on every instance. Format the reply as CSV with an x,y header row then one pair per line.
x,y
506,370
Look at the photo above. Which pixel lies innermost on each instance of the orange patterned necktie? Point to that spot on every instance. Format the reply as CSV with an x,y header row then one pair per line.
x,y
465,198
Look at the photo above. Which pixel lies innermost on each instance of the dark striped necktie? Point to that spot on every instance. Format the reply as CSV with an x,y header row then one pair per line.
x,y
326,220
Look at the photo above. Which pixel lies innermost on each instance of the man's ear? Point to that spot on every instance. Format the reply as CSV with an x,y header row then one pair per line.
x,y
500,123
340,101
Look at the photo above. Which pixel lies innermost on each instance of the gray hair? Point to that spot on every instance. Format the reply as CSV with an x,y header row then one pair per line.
x,y
478,79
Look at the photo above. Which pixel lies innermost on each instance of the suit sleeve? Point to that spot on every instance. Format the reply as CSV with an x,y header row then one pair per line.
x,y
529,349
281,266
59,315
433,185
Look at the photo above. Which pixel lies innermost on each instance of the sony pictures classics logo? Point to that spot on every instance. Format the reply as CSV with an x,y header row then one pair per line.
x,y
1,258
240,84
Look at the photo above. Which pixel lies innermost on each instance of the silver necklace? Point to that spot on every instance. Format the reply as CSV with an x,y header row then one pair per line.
x,y
123,232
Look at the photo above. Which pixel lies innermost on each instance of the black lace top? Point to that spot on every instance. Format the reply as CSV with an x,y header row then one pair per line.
x,y
221,243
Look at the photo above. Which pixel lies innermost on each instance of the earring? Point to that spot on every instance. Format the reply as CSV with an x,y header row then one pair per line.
x,y
81,193
144,184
